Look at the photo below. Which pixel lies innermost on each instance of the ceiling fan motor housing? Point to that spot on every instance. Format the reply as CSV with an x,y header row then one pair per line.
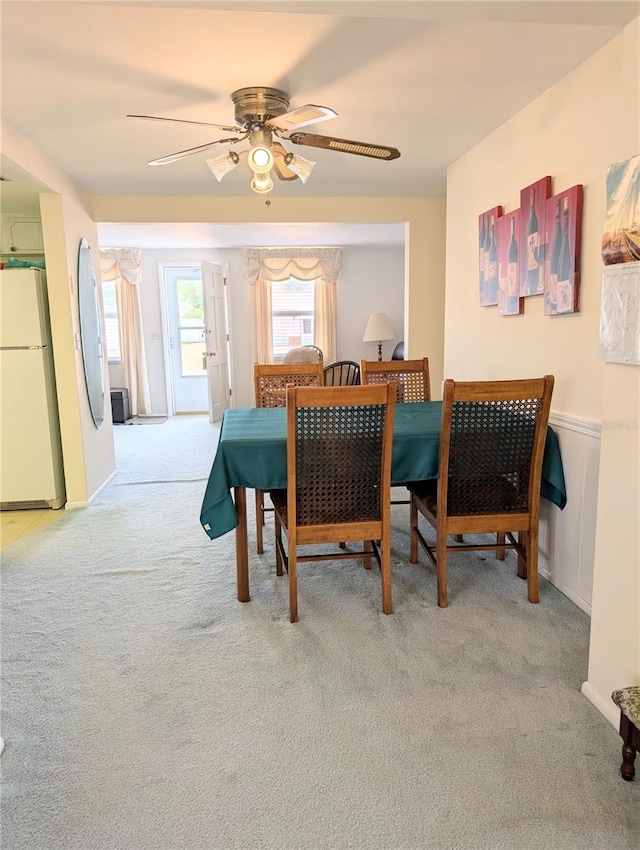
x,y
255,105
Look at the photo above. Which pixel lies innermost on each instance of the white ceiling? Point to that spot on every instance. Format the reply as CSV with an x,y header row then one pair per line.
x,y
431,78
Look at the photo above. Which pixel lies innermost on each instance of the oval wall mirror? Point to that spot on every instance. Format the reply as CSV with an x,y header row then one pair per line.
x,y
91,333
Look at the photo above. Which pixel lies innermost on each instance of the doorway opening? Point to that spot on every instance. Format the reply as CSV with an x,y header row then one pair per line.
x,y
196,338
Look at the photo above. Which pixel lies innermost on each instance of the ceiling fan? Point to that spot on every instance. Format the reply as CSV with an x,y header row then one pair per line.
x,y
263,116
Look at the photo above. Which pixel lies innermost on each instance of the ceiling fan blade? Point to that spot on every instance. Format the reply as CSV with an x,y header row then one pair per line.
x,y
280,168
302,117
172,157
183,121
345,145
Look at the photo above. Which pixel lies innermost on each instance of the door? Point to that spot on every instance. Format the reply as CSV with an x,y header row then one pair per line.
x,y
185,319
217,339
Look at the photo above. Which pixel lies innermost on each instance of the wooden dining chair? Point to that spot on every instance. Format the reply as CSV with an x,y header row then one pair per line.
x,y
339,442
270,383
412,381
490,467
411,377
342,373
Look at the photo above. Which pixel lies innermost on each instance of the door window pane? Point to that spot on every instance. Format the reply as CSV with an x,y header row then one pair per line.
x,y
191,326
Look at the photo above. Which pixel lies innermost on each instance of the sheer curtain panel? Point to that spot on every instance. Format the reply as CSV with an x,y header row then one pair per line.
x,y
124,266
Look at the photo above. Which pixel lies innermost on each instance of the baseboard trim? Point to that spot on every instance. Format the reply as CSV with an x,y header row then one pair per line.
x,y
570,594
605,707
72,506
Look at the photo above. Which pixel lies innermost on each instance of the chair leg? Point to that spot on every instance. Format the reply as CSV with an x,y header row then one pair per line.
x,y
385,572
533,592
629,733
413,524
441,555
500,551
278,526
367,549
259,521
522,562
293,584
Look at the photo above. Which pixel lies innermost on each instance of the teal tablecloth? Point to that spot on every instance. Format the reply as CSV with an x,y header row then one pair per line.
x,y
252,452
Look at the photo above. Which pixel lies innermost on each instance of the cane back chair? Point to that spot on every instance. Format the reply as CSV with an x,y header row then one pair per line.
x,y
270,382
489,474
339,442
412,381
411,377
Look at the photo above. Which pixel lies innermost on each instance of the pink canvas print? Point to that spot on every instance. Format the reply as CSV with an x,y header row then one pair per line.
x,y
533,238
562,264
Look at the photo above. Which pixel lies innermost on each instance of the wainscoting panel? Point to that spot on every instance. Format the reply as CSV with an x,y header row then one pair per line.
x,y
567,538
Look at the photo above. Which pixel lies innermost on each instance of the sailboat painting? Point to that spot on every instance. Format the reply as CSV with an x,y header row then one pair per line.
x,y
621,237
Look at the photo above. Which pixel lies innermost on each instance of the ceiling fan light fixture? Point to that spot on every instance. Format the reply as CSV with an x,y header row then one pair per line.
x,y
223,164
262,183
260,160
299,165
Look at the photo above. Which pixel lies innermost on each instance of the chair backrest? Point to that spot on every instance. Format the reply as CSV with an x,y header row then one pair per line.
x,y
271,380
398,351
491,446
304,354
339,442
342,373
411,377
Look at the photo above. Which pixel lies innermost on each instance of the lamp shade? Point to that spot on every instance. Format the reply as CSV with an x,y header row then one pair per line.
x,y
378,328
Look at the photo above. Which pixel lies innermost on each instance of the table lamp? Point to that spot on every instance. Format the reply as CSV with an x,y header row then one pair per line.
x,y
378,330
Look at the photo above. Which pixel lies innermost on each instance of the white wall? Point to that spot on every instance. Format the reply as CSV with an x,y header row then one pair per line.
x,y
372,280
587,121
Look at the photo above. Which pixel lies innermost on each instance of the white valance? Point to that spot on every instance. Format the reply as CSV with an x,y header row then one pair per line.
x,y
122,263
301,263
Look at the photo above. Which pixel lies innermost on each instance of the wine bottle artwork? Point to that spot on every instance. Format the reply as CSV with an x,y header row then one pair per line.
x,y
551,283
562,273
533,236
510,302
565,266
513,289
492,266
482,219
487,265
533,241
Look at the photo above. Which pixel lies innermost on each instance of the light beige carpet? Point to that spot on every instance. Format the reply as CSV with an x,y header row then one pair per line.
x,y
145,707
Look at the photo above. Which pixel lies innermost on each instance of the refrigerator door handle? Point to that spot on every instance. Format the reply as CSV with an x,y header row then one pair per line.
x,y
23,347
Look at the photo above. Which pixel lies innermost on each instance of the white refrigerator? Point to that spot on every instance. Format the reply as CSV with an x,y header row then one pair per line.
x,y
31,472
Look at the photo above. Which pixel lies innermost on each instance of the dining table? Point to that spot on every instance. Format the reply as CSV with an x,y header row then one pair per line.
x,y
252,453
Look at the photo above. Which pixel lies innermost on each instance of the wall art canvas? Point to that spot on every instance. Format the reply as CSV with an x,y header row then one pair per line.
x,y
488,256
533,200
562,263
621,237
510,302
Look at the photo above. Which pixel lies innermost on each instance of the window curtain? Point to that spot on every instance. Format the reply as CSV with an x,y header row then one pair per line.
x,y
264,265
124,266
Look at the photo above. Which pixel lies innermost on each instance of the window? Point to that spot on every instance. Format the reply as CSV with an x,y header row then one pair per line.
x,y
292,315
112,329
